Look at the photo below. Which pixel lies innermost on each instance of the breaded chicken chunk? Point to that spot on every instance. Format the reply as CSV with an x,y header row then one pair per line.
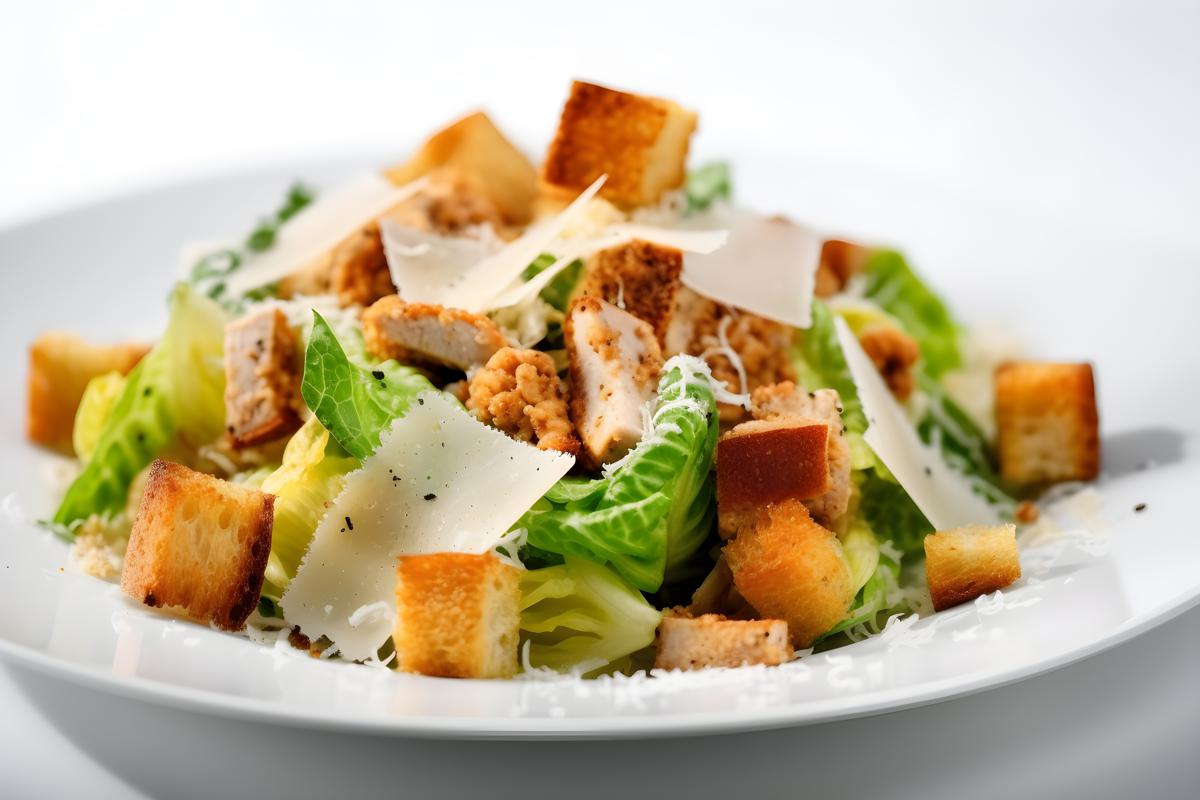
x,y
763,346
423,333
840,261
894,354
519,392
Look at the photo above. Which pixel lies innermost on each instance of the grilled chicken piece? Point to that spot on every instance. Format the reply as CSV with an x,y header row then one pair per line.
x,y
423,333
262,379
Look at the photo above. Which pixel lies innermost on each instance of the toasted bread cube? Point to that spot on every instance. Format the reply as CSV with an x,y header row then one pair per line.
x,y
199,544
60,366
639,276
714,641
703,327
785,400
262,378
788,567
640,142
424,333
457,615
520,393
768,461
840,261
614,360
964,563
1047,426
477,149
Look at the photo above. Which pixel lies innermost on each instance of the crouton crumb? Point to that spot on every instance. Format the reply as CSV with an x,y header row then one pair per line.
x,y
519,392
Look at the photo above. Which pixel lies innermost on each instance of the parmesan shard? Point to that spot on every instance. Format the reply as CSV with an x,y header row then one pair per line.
x,y
767,267
318,228
943,494
441,481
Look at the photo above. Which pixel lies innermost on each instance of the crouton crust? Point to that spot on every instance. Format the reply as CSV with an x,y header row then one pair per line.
x,y
639,276
788,567
766,461
762,345
640,142
840,261
464,339
60,366
1047,423
787,401
199,544
476,148
894,354
964,563
714,641
519,392
457,615
262,378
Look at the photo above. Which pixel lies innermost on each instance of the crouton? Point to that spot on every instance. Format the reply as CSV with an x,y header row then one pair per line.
x,y
964,563
60,366
894,354
766,461
788,567
641,277
1047,425
714,641
519,392
457,615
640,142
429,334
703,327
840,261
477,149
787,401
615,361
199,544
262,378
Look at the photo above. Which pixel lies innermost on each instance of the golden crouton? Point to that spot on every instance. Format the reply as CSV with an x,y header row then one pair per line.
x,y
1047,426
840,261
641,277
199,544
702,327
262,378
894,354
714,641
766,461
423,333
640,142
479,151
964,563
60,367
457,615
788,567
787,401
519,392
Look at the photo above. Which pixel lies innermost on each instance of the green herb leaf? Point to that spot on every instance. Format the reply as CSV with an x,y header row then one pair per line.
x,y
707,184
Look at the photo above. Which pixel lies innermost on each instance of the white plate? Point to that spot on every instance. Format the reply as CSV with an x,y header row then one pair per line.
x,y
104,271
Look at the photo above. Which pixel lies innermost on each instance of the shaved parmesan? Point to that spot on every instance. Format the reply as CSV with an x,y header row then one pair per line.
x,y
440,481
320,227
768,267
425,265
943,494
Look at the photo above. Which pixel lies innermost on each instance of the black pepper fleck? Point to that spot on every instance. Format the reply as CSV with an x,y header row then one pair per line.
x,y
431,496
349,523
377,374
147,391
928,471
1140,507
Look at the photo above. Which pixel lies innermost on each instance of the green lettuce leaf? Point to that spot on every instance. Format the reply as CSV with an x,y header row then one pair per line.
x,y
580,613
707,184
354,403
656,508
560,288
893,286
175,393
95,407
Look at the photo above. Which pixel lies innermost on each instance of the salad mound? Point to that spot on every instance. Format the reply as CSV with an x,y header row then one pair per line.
x,y
469,418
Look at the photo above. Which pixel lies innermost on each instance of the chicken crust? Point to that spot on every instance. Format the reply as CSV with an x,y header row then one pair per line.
x,y
763,345
519,392
894,354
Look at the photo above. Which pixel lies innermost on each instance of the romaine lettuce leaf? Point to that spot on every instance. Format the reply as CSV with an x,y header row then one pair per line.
x,y
581,614
354,403
95,407
175,392
655,509
897,290
707,184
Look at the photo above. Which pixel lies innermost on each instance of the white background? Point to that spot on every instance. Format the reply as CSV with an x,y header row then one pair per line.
x,y
1088,113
